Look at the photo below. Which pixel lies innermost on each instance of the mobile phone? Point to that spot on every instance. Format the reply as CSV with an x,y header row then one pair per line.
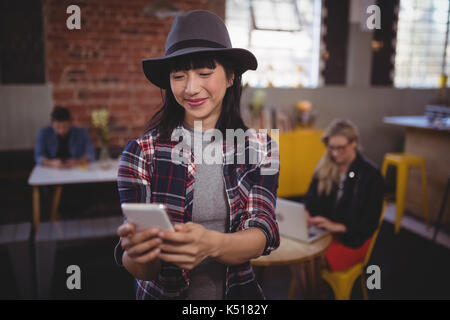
x,y
146,215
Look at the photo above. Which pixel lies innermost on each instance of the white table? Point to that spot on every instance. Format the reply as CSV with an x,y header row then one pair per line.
x,y
44,176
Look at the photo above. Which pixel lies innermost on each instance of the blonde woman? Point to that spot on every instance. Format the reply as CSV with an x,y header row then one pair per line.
x,y
345,196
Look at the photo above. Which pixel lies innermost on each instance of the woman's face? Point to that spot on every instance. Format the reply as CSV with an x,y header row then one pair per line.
x,y
200,92
341,149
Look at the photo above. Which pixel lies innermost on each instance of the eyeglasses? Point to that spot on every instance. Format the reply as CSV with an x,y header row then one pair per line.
x,y
338,148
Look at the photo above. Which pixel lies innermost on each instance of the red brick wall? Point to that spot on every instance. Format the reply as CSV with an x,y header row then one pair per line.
x,y
100,65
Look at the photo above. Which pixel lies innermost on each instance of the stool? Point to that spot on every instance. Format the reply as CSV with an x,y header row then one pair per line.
x,y
403,162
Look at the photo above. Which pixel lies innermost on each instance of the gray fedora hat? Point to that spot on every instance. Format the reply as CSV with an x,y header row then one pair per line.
x,y
196,31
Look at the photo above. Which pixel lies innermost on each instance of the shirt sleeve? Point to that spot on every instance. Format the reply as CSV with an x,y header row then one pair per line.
x,y
361,226
133,181
39,148
89,151
311,199
260,211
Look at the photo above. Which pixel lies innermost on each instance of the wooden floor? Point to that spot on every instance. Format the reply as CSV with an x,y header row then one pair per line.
x,y
411,266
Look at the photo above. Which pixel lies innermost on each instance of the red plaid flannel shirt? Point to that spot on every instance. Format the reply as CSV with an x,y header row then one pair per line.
x,y
148,174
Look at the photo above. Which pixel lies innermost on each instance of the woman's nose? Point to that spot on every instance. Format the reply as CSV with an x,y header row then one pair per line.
x,y
192,85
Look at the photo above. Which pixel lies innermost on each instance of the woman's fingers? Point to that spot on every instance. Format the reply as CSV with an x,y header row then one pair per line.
x,y
179,227
179,249
143,247
139,249
177,258
321,225
317,219
147,257
125,229
137,238
174,236
144,235
324,225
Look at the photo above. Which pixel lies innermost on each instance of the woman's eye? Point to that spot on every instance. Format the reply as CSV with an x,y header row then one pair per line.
x,y
204,74
177,76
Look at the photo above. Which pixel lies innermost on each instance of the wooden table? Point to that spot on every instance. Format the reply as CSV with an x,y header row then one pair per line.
x,y
433,144
44,176
305,262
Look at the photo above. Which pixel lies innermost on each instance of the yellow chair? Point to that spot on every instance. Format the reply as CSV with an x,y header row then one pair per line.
x,y
403,162
341,282
300,151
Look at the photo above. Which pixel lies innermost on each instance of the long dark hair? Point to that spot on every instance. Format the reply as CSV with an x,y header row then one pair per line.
x,y
171,114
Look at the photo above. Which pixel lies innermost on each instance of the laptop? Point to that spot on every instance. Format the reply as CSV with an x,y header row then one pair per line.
x,y
291,218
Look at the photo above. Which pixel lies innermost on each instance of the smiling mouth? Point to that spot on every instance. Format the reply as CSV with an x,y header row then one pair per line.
x,y
195,102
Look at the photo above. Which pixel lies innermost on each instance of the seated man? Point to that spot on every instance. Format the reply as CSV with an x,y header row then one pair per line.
x,y
62,145
345,196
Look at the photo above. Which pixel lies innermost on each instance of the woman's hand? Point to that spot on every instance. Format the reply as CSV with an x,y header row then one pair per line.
x,y
324,223
308,218
189,245
141,247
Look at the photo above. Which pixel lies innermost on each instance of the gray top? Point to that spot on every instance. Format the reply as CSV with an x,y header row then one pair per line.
x,y
210,209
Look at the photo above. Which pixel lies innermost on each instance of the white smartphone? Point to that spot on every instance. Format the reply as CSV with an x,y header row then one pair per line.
x,y
146,215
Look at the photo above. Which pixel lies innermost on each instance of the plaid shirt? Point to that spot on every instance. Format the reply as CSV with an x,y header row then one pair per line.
x,y
147,173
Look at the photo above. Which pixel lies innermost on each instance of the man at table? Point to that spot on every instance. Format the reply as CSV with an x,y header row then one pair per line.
x,y
345,196
62,145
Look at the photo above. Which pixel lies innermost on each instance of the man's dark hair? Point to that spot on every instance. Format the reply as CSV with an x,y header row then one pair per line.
x,y
60,114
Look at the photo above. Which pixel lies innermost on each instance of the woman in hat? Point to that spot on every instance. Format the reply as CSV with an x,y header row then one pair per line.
x,y
223,212
345,196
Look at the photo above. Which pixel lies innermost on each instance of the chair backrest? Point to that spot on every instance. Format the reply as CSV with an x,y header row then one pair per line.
x,y
375,234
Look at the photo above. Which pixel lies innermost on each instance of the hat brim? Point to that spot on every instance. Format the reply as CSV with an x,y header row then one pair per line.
x,y
156,69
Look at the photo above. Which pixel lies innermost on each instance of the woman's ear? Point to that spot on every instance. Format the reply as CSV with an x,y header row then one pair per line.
x,y
230,81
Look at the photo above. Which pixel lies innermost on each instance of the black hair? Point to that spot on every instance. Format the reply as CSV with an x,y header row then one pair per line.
x,y
171,114
60,114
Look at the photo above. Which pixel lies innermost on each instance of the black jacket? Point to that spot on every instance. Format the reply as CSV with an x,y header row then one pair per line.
x,y
360,206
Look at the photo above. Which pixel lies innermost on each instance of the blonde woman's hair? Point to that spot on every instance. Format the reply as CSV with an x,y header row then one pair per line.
x,y
327,171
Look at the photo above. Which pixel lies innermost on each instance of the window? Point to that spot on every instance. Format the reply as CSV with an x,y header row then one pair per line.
x,y
421,33
284,35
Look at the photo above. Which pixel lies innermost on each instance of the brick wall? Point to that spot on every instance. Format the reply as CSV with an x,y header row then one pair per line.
x,y
100,65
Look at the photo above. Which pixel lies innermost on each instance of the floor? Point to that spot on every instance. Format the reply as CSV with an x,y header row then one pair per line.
x,y
418,227
412,267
